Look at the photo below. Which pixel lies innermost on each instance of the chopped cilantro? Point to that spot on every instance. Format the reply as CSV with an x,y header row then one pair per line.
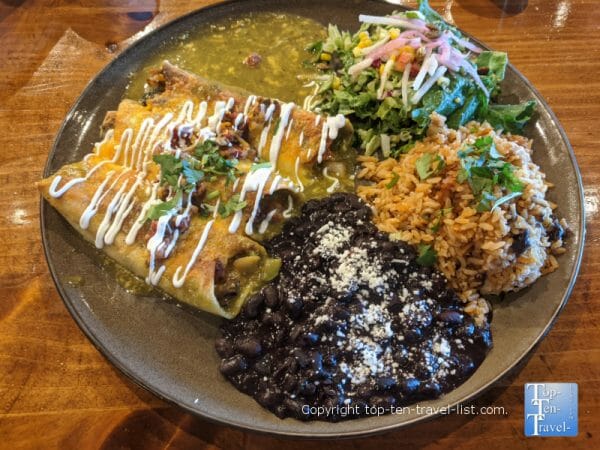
x,y
483,167
429,164
231,206
427,255
170,168
192,175
160,209
394,181
213,163
435,227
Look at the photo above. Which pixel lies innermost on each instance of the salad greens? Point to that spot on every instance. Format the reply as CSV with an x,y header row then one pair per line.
x,y
392,74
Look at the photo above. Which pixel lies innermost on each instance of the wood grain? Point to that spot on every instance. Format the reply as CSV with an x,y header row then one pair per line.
x,y
57,391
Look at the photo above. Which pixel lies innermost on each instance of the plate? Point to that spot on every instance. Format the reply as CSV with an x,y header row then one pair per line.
x,y
169,350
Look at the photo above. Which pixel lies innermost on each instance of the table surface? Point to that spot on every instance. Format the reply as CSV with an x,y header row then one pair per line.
x,y
57,391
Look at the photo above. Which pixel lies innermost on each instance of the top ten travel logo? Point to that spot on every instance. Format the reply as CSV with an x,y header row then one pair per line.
x,y
551,409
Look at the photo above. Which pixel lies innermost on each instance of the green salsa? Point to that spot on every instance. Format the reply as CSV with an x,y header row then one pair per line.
x,y
219,51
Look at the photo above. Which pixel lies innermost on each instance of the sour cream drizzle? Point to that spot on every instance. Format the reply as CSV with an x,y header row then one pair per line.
x,y
92,208
330,130
177,280
284,117
254,182
289,128
288,212
57,193
336,181
297,168
265,223
154,243
141,218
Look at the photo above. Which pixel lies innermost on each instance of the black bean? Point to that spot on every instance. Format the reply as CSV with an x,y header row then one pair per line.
x,y
330,360
271,296
295,408
365,390
250,347
317,362
430,389
310,338
386,383
249,382
253,306
340,313
290,364
409,386
451,317
296,334
269,397
556,231
278,318
521,243
468,329
302,357
307,388
223,347
412,336
233,365
289,382
280,336
263,366
395,307
294,306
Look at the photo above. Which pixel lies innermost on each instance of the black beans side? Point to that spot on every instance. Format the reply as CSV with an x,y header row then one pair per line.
x,y
283,348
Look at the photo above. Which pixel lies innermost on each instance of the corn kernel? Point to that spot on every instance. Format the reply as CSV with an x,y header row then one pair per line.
x,y
325,56
363,35
408,49
381,67
365,43
394,33
336,83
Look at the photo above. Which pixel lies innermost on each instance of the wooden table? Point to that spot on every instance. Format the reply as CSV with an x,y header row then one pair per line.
x,y
57,391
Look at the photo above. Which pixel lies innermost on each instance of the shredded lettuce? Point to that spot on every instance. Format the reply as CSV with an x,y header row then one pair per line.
x,y
511,118
460,95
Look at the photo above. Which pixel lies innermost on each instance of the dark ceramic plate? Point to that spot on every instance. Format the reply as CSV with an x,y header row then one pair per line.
x,y
169,350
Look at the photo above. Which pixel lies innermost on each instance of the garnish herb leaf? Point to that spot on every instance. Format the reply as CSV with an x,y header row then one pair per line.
x,y
483,168
170,168
160,209
393,181
192,175
505,199
427,255
231,206
213,163
429,164
438,223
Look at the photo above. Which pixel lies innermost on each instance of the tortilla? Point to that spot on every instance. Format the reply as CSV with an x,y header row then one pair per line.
x,y
192,251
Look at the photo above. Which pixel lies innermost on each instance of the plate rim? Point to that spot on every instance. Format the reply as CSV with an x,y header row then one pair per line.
x,y
205,414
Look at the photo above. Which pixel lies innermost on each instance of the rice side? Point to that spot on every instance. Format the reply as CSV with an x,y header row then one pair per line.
x,y
490,252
